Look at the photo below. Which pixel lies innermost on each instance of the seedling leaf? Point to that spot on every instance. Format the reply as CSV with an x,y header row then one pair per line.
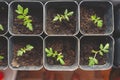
x,y
20,9
20,17
61,17
1,27
55,54
97,20
26,11
21,51
107,46
1,57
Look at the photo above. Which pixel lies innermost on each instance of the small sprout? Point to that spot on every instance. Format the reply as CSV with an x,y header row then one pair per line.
x,y
101,51
97,21
65,16
23,15
1,27
21,51
59,57
1,57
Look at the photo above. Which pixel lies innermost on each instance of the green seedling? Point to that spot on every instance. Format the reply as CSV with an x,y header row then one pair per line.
x,y
65,16
102,50
97,21
1,57
23,15
21,51
1,28
54,54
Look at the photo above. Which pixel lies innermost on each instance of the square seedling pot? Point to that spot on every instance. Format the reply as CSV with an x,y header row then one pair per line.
x,y
64,27
68,47
35,13
90,43
117,53
3,17
3,53
97,9
30,59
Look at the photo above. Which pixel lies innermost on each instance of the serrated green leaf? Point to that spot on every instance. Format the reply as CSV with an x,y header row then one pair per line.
x,y
55,19
1,57
26,18
23,50
90,57
93,51
91,62
20,17
29,26
107,46
25,23
95,61
93,17
62,62
46,50
70,13
105,51
101,53
20,8
66,11
1,28
51,50
26,11
18,12
49,55
29,47
100,23
60,19
19,53
66,17
101,46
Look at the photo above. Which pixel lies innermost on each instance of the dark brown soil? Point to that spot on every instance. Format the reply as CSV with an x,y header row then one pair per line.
x,y
30,58
88,44
3,51
37,21
67,46
3,17
64,27
86,24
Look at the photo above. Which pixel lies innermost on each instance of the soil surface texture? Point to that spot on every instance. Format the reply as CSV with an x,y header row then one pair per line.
x,y
3,18
3,51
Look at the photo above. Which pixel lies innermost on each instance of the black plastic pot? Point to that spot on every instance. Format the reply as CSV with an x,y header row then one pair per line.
x,y
115,74
117,53
89,43
37,52
106,7
36,13
4,17
117,18
58,7
55,43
